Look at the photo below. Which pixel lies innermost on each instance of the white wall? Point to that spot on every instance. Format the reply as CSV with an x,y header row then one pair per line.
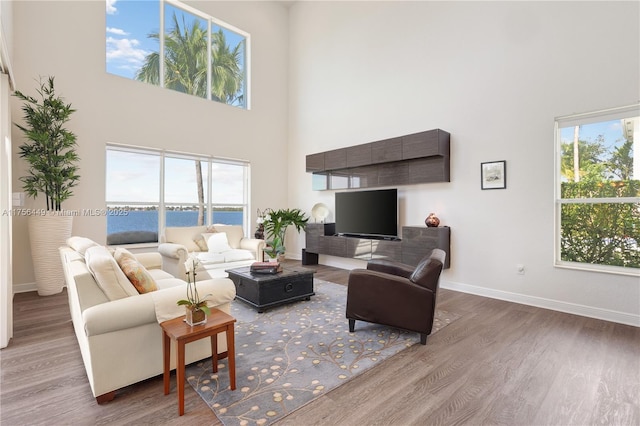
x,y
67,40
494,75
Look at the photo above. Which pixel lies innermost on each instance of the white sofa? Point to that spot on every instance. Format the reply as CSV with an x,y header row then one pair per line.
x,y
117,328
176,243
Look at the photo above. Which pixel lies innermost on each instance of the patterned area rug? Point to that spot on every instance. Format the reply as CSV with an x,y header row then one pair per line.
x,y
292,354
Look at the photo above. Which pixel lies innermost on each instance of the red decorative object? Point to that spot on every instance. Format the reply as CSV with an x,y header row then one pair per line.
x,y
432,220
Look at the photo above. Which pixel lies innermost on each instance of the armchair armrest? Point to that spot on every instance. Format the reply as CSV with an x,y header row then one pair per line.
x,y
389,267
173,258
254,245
376,283
173,250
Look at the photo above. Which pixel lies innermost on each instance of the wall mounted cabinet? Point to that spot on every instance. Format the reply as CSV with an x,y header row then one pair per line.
x,y
411,159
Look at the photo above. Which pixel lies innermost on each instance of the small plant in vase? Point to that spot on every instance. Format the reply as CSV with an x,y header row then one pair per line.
x,y
196,307
275,227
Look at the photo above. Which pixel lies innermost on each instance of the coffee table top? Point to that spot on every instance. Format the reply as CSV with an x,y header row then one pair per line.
x,y
286,273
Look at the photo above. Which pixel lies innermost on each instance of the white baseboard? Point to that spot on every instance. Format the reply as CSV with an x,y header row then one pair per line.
x,y
24,287
540,302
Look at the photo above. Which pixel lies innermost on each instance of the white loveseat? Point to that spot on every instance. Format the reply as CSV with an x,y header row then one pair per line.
x,y
118,328
218,247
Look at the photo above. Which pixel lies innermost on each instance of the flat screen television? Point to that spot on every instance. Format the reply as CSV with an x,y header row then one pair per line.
x,y
369,214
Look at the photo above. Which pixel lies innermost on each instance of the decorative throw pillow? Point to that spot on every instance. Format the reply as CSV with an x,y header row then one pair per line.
x,y
218,243
201,243
205,237
234,234
107,273
135,271
81,244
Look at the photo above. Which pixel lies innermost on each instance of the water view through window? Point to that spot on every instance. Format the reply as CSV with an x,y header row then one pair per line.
x,y
193,190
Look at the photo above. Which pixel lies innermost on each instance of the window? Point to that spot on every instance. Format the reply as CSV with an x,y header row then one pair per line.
x,y
147,190
598,191
175,46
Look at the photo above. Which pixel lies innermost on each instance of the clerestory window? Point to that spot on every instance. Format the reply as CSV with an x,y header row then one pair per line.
x,y
598,191
147,190
172,45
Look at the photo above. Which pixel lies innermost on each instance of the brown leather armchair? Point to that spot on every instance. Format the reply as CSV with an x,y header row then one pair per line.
x,y
396,294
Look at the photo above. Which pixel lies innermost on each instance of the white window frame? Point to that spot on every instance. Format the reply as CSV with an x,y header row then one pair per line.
x,y
576,120
209,205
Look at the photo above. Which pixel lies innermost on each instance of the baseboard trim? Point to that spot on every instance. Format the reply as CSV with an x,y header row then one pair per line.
x,y
541,302
24,287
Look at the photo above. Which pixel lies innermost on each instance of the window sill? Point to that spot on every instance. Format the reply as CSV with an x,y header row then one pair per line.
x,y
615,270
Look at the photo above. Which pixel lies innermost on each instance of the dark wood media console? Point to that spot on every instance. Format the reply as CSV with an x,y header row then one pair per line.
x,y
416,242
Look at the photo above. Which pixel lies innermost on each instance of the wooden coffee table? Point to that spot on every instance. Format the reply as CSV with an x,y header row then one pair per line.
x,y
177,329
263,291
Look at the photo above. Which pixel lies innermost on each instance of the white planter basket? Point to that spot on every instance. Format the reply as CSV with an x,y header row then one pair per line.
x,y
46,234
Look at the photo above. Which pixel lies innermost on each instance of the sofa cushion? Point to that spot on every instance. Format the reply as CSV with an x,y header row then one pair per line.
x,y
234,234
135,272
108,275
218,243
237,255
81,244
207,258
159,275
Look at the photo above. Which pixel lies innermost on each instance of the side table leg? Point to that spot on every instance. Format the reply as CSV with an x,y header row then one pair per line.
x,y
214,352
180,376
231,356
166,357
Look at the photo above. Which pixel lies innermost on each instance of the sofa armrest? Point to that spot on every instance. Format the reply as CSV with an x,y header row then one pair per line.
x,y
120,314
254,245
135,311
173,251
150,260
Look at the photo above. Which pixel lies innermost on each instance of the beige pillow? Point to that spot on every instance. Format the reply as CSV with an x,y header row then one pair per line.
x,y
108,275
201,243
234,234
135,271
184,235
81,244
218,243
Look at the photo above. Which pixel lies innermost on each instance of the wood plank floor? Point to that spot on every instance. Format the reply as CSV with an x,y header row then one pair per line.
x,y
501,363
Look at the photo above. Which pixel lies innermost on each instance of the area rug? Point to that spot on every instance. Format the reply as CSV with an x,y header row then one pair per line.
x,y
292,354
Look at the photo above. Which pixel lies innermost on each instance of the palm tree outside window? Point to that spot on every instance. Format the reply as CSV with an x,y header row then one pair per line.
x,y
200,55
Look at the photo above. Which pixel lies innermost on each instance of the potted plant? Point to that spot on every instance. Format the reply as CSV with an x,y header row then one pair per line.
x,y
196,307
275,226
49,150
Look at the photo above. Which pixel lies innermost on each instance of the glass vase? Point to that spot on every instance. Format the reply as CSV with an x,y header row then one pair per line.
x,y
195,315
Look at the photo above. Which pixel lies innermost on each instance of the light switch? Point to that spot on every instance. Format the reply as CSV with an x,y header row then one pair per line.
x,y
17,199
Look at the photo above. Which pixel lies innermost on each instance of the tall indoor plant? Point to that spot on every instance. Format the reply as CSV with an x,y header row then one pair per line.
x,y
49,150
275,226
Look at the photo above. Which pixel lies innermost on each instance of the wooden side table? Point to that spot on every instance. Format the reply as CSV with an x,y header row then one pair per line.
x,y
177,329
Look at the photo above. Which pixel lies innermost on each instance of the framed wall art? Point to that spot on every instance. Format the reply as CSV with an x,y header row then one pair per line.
x,y
493,175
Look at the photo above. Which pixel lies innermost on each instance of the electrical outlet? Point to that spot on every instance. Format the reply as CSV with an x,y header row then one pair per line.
x,y
520,269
